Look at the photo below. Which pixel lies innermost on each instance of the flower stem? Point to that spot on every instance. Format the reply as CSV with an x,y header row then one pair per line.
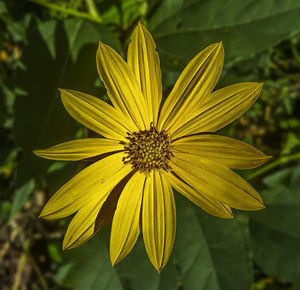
x,y
68,11
92,8
270,166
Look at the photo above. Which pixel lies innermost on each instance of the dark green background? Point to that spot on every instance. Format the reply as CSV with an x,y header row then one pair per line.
x,y
44,48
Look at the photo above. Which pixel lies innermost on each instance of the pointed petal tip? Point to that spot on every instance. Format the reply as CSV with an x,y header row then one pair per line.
x,y
216,45
251,85
158,265
43,216
47,215
223,216
114,260
259,206
227,216
114,256
158,268
141,26
265,158
103,51
62,92
101,45
65,246
260,86
259,203
68,244
255,87
219,48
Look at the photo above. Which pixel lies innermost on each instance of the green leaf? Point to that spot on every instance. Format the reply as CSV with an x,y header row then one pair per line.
x,y
275,230
245,27
92,269
121,13
137,272
54,253
57,55
20,197
212,252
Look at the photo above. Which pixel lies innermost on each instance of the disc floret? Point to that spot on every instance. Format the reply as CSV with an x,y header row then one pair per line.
x,y
148,150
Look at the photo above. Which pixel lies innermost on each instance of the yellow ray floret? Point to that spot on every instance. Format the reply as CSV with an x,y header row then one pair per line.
x,y
144,62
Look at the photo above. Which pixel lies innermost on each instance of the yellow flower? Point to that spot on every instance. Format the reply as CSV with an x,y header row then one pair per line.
x,y
151,147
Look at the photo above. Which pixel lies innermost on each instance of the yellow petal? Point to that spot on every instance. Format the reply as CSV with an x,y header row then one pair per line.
x,y
122,87
80,149
96,214
107,211
158,219
96,115
125,226
222,107
193,86
211,206
144,61
90,183
82,226
216,181
227,151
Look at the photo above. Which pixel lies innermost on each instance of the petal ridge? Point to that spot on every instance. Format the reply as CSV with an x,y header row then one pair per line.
x,y
122,87
85,224
125,226
212,207
86,185
216,181
143,58
158,219
227,151
224,106
192,87
79,149
96,115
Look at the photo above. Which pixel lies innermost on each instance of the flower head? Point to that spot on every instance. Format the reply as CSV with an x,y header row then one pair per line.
x,y
146,148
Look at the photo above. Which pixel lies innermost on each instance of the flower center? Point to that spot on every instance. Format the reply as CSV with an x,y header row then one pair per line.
x,y
148,150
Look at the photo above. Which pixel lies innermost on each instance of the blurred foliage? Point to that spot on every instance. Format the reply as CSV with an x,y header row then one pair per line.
x,y
45,45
